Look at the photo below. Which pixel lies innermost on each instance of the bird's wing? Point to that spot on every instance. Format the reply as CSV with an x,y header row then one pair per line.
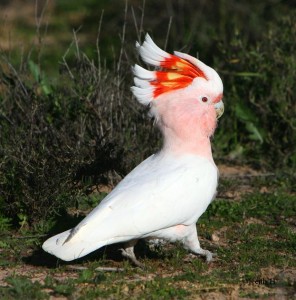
x,y
159,193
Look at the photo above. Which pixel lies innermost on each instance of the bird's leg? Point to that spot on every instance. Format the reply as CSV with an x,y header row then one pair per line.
x,y
191,243
128,252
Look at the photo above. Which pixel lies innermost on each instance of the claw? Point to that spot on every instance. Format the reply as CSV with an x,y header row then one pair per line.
x,y
131,257
209,256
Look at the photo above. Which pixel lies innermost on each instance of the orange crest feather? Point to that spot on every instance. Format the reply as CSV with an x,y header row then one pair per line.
x,y
176,73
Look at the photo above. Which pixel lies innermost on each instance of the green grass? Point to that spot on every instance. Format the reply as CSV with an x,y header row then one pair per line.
x,y
255,255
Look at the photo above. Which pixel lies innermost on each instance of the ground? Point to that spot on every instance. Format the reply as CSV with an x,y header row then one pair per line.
x,y
248,225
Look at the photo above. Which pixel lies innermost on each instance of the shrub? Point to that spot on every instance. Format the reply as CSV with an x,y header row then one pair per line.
x,y
60,141
260,90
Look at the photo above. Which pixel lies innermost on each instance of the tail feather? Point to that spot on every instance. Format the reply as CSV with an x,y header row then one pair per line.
x,y
71,249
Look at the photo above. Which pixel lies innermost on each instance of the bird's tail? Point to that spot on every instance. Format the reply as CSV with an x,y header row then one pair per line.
x,y
65,249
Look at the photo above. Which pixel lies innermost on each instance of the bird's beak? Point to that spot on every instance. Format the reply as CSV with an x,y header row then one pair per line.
x,y
219,107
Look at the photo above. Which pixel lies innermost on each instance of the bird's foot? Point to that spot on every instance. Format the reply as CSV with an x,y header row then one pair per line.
x,y
209,255
205,253
130,255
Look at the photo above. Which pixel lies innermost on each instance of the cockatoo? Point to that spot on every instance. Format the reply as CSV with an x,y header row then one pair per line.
x,y
164,196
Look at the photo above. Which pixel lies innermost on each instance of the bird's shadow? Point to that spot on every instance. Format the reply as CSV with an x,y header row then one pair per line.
x,y
109,253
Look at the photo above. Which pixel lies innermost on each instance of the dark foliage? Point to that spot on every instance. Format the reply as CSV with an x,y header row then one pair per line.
x,y
260,94
59,142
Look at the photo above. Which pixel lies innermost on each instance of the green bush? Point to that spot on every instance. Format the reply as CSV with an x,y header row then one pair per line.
x,y
58,142
260,90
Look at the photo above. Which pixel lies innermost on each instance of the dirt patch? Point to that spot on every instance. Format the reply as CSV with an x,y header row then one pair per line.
x,y
288,274
33,273
236,171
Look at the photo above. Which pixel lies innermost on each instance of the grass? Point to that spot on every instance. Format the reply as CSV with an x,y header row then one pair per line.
x,y
254,238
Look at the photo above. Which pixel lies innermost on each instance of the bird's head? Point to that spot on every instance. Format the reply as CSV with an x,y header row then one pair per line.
x,y
183,92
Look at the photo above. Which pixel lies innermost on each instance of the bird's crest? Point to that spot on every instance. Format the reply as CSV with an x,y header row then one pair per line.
x,y
173,72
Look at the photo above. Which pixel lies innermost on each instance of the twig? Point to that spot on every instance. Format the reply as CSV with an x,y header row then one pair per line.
x,y
76,42
139,29
247,175
122,38
217,287
109,269
16,75
98,43
39,16
65,62
80,268
100,269
24,236
168,32
142,19
135,23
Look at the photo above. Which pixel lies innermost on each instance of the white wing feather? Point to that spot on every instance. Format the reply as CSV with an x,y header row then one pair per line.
x,y
159,193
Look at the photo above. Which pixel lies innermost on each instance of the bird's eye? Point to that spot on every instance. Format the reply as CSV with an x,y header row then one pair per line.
x,y
204,99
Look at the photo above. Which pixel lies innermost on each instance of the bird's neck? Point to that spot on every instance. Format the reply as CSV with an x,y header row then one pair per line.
x,y
186,126
186,141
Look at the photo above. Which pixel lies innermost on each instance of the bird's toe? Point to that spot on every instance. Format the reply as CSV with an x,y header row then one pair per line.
x,y
131,257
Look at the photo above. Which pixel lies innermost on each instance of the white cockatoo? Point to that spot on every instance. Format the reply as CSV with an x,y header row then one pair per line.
x,y
164,196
